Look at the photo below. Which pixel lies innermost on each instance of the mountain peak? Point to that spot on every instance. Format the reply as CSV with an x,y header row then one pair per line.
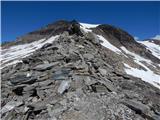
x,y
70,70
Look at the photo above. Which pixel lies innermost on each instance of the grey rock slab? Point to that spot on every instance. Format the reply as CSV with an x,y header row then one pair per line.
x,y
89,81
10,105
88,56
50,112
45,83
22,79
63,86
45,66
109,85
41,105
102,71
140,108
61,74
99,88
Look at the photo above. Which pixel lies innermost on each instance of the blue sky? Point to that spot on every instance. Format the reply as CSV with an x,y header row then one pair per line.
x,y
141,19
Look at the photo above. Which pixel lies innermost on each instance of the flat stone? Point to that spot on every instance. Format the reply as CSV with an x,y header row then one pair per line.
x,y
63,86
139,108
29,91
109,85
89,81
10,105
90,36
45,66
102,71
98,87
22,79
45,83
88,56
50,112
61,74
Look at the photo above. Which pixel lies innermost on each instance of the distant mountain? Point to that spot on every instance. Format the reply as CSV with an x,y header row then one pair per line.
x,y
69,70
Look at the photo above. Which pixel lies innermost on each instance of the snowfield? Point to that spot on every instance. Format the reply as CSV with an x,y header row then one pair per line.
x,y
86,27
108,45
147,76
154,48
14,54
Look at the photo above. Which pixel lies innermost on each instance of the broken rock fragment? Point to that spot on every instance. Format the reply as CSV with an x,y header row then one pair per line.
x,y
63,86
10,105
61,74
45,66
22,79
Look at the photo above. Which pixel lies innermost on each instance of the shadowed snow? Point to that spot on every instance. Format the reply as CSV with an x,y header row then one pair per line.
x,y
155,49
108,45
86,27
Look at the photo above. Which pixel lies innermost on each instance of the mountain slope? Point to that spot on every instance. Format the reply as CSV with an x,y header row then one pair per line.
x,y
70,70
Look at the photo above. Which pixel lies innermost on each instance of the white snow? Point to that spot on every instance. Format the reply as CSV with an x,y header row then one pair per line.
x,y
136,38
154,48
86,27
108,45
138,59
157,37
148,76
86,30
14,54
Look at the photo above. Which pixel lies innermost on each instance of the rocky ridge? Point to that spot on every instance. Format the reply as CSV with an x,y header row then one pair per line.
x,y
75,77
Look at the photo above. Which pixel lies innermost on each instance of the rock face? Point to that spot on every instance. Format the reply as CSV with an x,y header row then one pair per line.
x,y
76,78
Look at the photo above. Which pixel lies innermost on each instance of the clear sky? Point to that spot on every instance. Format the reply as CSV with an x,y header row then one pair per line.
x,y
140,19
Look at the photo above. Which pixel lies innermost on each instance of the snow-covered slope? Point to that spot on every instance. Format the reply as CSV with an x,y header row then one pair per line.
x,y
154,48
108,45
14,54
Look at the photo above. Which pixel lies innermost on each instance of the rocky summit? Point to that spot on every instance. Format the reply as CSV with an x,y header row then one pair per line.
x,y
75,71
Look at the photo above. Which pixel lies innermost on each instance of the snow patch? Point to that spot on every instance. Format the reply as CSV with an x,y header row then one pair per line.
x,y
138,59
86,30
154,48
147,76
14,54
108,45
136,38
86,27
157,37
